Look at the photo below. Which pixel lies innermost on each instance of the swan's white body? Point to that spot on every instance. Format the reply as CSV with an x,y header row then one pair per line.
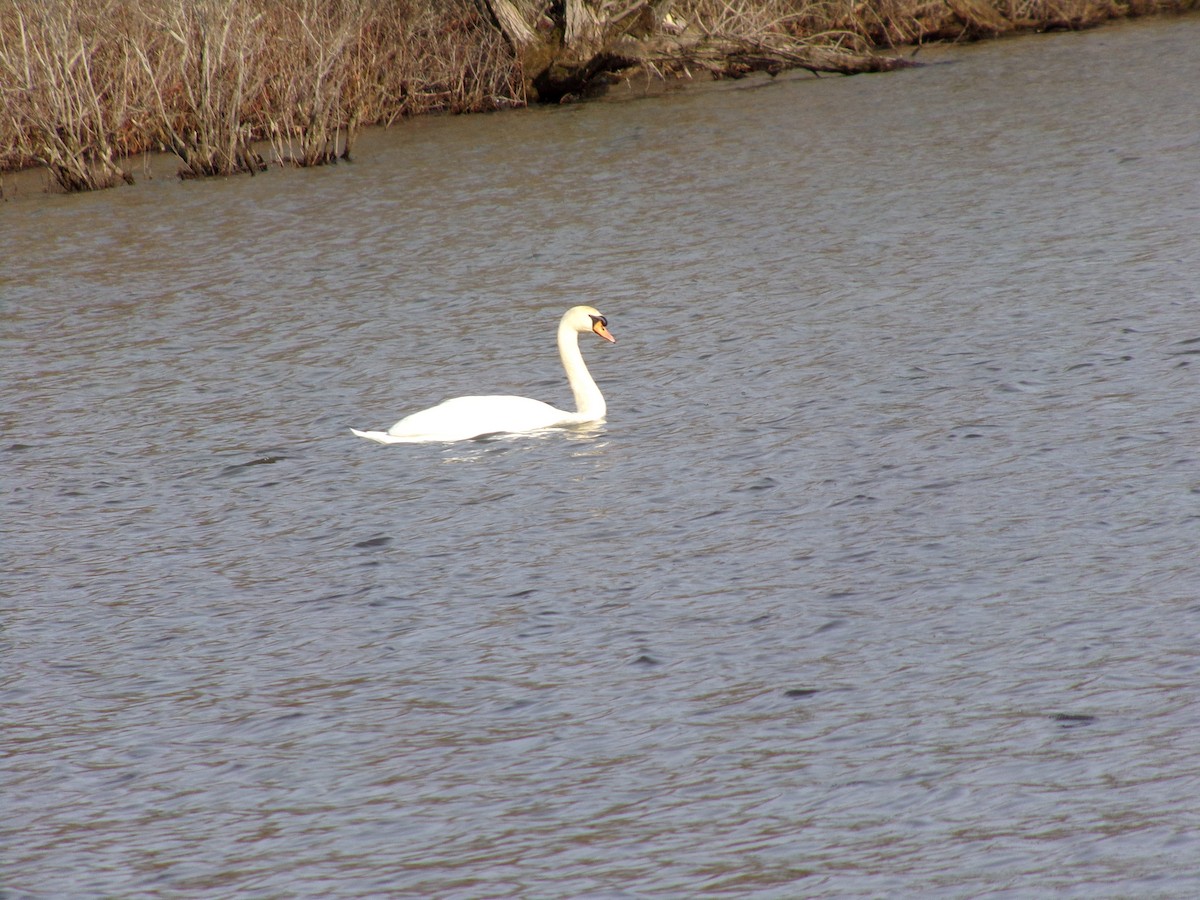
x,y
468,417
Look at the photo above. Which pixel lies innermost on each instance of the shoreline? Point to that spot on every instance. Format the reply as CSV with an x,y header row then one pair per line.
x,y
655,56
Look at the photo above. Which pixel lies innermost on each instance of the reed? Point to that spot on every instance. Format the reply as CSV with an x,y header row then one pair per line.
x,y
85,82
235,85
309,109
199,59
66,92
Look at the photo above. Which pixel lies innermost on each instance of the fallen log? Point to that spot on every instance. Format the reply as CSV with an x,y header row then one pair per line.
x,y
577,47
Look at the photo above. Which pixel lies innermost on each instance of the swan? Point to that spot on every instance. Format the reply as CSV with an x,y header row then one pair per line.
x,y
468,417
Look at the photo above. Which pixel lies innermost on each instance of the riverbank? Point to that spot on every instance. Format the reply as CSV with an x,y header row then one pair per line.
x,y
231,86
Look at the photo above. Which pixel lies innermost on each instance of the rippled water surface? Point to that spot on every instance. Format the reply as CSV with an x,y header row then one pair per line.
x,y
881,580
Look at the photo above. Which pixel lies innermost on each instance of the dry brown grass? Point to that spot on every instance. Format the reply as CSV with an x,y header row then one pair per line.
x,y
84,83
66,93
199,60
894,23
862,24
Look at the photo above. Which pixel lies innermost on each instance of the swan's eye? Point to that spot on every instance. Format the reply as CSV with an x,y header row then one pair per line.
x,y
599,320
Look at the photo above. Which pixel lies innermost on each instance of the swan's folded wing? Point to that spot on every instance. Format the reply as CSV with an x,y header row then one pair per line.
x,y
463,418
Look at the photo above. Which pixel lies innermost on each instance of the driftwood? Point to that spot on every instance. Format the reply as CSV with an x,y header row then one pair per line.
x,y
567,50
513,25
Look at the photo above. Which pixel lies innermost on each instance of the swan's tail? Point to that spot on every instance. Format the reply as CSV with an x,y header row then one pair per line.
x,y
381,436
386,437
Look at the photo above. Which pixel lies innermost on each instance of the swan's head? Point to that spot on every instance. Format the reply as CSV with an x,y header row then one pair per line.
x,y
584,319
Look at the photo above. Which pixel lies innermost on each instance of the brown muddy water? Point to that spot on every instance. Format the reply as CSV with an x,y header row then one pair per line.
x,y
882,578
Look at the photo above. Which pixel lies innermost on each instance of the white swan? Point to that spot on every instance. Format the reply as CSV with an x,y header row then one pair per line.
x,y
469,417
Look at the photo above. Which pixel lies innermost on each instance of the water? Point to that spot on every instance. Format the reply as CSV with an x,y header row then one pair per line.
x,y
881,580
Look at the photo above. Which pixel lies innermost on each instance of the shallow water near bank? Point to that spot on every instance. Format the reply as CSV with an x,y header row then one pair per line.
x,y
880,580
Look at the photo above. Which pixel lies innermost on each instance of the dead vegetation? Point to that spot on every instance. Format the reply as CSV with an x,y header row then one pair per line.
x,y
237,85
65,94
231,85
568,47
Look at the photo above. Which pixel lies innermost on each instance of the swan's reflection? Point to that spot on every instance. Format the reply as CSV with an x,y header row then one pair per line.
x,y
585,438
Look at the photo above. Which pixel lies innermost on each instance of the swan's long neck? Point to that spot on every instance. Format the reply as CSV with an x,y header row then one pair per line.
x,y
588,399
